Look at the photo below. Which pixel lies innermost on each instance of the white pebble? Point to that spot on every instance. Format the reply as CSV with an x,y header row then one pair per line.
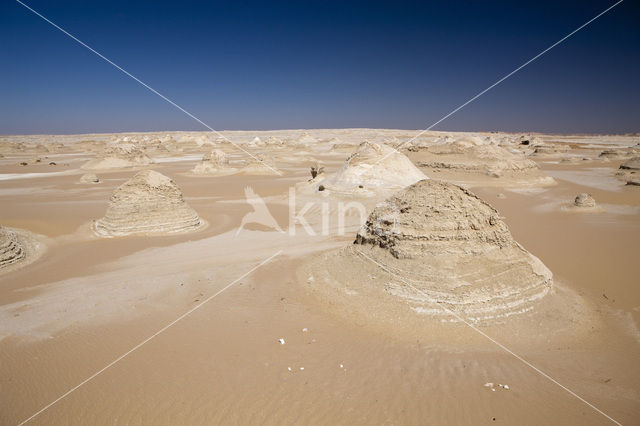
x,y
341,366
289,368
301,368
506,387
282,341
304,330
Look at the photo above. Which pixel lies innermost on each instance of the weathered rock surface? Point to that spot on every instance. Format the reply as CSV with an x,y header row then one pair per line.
x,y
584,200
448,247
148,203
89,178
215,162
11,249
372,168
118,156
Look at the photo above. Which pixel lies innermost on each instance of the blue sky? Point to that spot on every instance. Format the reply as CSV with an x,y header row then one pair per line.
x,y
255,65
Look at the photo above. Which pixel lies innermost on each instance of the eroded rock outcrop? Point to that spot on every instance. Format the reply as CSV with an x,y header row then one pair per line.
x,y
118,156
89,178
372,168
12,250
148,203
215,162
448,247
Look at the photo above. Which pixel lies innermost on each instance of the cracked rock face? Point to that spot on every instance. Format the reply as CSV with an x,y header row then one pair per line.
x,y
148,203
447,246
11,249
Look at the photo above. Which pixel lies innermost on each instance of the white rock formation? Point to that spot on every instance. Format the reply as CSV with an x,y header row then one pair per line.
x,y
449,248
371,169
148,203
12,250
215,162
259,165
118,156
89,178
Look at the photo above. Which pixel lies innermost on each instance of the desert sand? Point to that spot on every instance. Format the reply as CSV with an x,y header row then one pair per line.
x,y
401,266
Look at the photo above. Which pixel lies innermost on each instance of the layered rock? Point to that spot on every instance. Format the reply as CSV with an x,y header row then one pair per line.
x,y
259,165
630,171
12,250
446,247
89,178
372,168
215,162
148,203
584,201
474,157
118,156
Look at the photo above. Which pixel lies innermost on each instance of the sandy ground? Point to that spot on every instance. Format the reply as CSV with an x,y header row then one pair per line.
x,y
86,300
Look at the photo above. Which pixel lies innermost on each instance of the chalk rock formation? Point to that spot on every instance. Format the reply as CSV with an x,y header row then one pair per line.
x,y
89,178
549,150
118,156
275,142
215,162
11,249
202,140
372,168
307,139
259,165
630,171
148,203
447,247
470,157
256,142
632,164
7,147
617,154
585,201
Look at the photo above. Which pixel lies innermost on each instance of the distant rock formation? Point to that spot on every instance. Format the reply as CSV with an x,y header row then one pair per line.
x,y
370,169
118,156
215,162
148,203
259,165
476,157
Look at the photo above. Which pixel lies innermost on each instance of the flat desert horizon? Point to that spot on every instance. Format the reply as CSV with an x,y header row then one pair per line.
x,y
346,276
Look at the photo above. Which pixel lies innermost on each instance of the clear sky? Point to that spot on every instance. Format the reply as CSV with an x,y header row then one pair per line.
x,y
303,64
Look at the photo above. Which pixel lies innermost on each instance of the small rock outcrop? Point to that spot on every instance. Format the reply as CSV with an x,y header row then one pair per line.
x,y
584,201
215,162
89,178
148,203
11,249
